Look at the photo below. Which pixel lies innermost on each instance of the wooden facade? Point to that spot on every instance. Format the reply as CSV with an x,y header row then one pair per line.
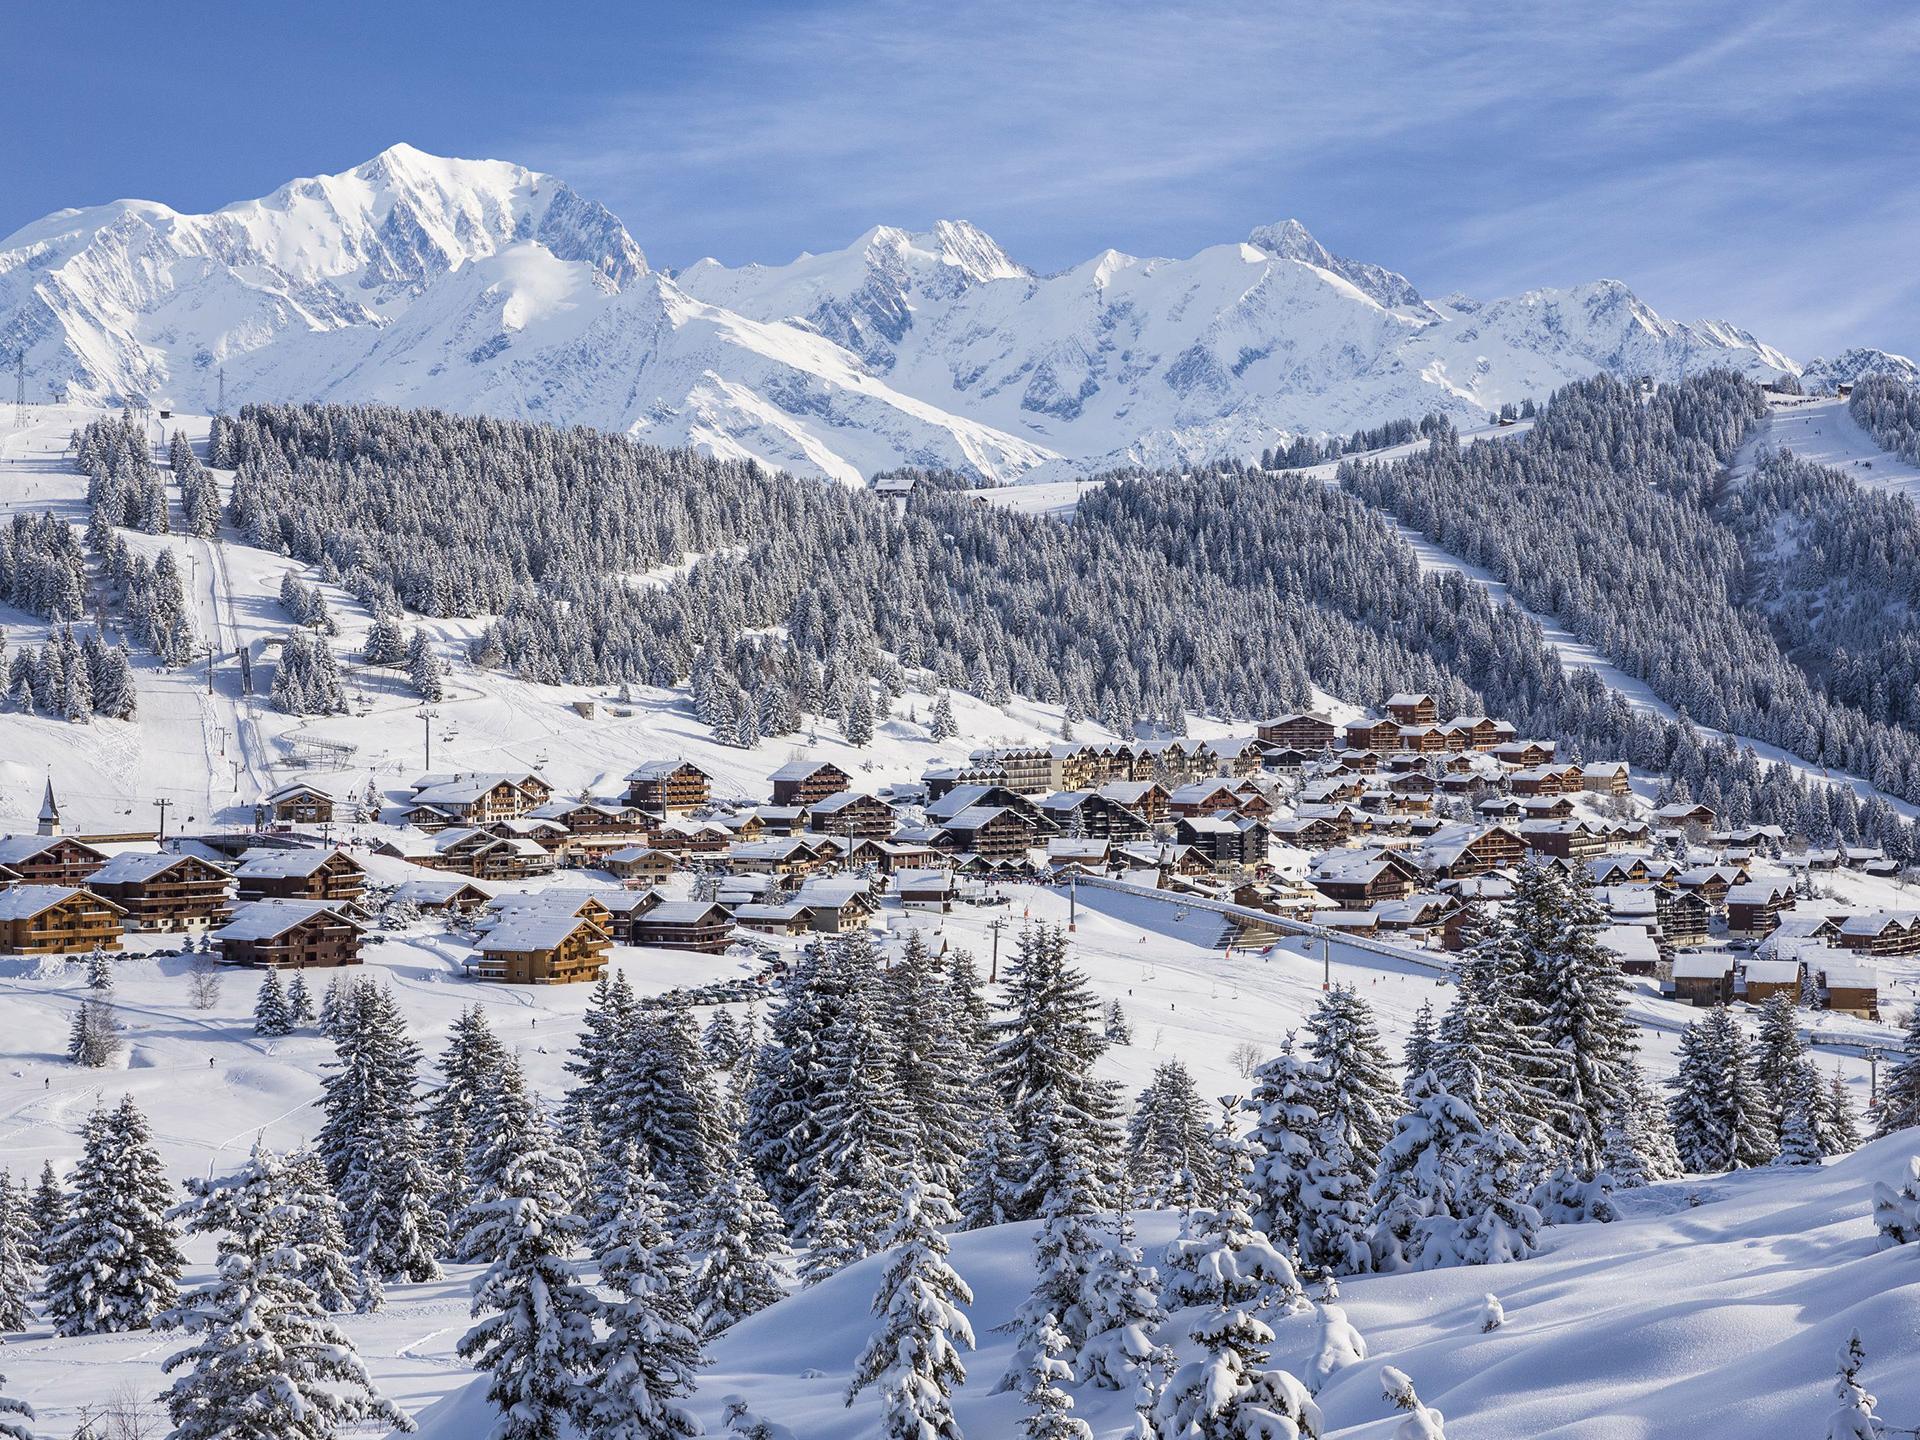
x,y
288,935
56,920
165,892
50,859
330,875
669,787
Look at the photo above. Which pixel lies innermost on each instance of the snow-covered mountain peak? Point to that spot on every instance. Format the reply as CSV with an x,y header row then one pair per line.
x,y
1823,375
480,285
1290,240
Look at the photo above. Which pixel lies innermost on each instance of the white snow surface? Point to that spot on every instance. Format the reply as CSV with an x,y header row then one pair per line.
x,y
484,287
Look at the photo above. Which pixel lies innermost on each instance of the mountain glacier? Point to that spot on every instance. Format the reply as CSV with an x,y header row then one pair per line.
x,y
481,286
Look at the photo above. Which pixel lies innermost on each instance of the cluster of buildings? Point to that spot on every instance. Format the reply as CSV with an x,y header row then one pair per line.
x,y
1392,825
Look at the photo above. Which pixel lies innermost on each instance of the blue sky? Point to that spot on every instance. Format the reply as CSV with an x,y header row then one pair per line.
x,y
1750,161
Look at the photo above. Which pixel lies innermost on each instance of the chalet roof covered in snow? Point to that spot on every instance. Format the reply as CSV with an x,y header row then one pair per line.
x,y
134,867
259,920
283,864
526,930
23,902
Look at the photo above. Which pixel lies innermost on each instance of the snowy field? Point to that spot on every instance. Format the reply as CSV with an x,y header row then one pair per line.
x,y
1820,429
1630,1323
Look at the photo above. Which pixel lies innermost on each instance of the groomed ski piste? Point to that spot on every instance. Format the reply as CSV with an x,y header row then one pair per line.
x,y
1712,1309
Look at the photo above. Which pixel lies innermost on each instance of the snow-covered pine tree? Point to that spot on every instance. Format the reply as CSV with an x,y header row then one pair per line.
x,y
864,1145
113,1262
1120,1296
1333,1234
1718,1115
1580,994
370,1140
791,1078
1169,1159
535,1334
14,1414
1044,1051
1423,1422
16,1257
1339,1345
663,1102
934,1067
299,1000
1425,1172
942,725
1899,1104
1803,1099
1049,1408
1360,1096
1066,1244
992,1177
648,1357
1118,1031
99,971
1226,1393
46,1209
1896,1213
1853,1416
1418,1056
1286,1103
1220,1259
271,1016
1638,1145
265,1361
1838,1128
458,1111
921,1302
316,1229
741,1242
94,1039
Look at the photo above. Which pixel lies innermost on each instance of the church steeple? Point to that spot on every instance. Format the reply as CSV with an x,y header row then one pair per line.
x,y
49,812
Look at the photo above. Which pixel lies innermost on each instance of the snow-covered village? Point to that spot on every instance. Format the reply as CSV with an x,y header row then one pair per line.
x,y
940,840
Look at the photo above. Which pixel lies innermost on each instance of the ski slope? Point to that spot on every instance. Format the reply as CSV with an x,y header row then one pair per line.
x,y
1821,430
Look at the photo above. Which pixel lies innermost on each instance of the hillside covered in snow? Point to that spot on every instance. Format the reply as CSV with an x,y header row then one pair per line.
x,y
482,287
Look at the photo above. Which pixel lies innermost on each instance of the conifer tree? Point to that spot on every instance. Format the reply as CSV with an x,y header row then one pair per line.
x,y
1423,1422
942,725
742,1244
1853,1416
662,1102
1226,1393
651,1350
265,1360
1838,1129
1042,1064
316,1229
46,1209
16,1256
1896,1213
1065,1245
113,1262
992,1179
1334,1237
271,1015
1049,1409
1580,994
1121,1298
1718,1115
1168,1152
459,1111
370,1139
934,1067
299,1000
13,1417
99,971
921,1302
1801,1107
1287,1101
1360,1097
94,1039
1449,1191
535,1333
1418,1056
1899,1103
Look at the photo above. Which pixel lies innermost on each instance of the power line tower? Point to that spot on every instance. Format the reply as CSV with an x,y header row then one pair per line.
x,y
20,385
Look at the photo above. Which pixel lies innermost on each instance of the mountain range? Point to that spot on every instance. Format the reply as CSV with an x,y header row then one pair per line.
x,y
481,286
